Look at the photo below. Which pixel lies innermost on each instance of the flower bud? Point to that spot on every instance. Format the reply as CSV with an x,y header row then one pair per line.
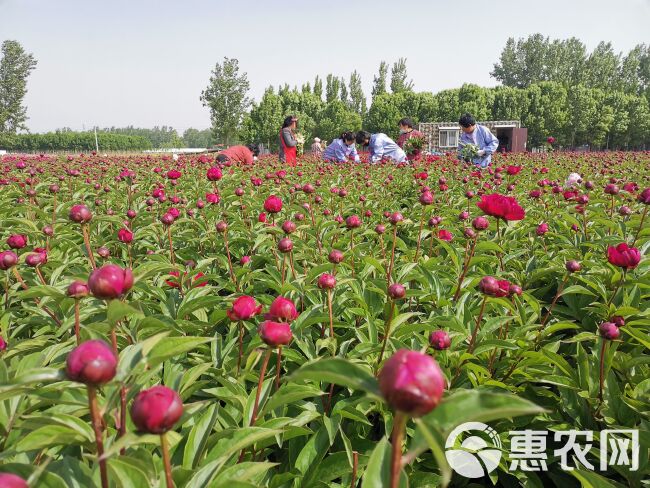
x,y
480,223
396,291
573,266
285,245
335,256
156,410
282,309
92,363
80,214
411,382
326,281
275,334
110,281
439,340
78,289
9,480
17,241
609,331
8,259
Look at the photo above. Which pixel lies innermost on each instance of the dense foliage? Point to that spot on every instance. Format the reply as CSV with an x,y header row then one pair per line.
x,y
73,141
421,258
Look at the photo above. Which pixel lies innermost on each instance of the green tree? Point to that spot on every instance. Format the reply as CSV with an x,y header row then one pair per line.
x,y
379,81
197,138
546,113
448,106
509,103
226,96
603,68
344,92
263,122
399,81
332,88
475,100
318,87
15,67
357,97
335,118
383,115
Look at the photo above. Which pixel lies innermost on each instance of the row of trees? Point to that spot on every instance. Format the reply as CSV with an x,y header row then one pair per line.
x,y
536,58
164,137
72,141
574,115
554,87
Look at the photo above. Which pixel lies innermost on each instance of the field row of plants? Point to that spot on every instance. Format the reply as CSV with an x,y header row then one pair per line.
x,y
194,324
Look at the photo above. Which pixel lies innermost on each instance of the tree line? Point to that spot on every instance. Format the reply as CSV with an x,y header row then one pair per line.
x,y
555,87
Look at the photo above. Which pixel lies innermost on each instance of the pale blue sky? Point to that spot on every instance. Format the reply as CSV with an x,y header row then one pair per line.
x,y
145,62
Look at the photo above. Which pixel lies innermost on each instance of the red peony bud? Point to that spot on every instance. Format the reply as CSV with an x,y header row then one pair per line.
x,y
243,308
412,382
275,334
326,281
9,480
91,363
396,291
156,410
80,214
439,340
110,281
282,309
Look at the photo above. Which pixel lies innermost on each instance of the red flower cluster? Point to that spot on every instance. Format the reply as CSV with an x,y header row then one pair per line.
x,y
624,256
501,206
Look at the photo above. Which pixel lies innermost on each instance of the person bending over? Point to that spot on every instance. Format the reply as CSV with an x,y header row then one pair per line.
x,y
342,149
380,146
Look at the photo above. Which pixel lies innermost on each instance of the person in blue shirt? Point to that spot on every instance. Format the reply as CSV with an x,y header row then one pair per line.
x,y
341,150
381,147
480,136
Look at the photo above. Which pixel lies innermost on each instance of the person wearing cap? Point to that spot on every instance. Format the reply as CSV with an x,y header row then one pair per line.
x,y
288,142
316,148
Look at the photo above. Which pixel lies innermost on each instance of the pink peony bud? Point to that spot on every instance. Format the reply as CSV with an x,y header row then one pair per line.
x,y
412,382
156,410
282,309
91,363
110,281
243,308
275,334
439,340
80,214
326,281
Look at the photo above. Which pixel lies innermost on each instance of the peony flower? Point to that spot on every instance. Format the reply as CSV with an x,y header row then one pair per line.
x,y
624,256
110,281
282,309
501,206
